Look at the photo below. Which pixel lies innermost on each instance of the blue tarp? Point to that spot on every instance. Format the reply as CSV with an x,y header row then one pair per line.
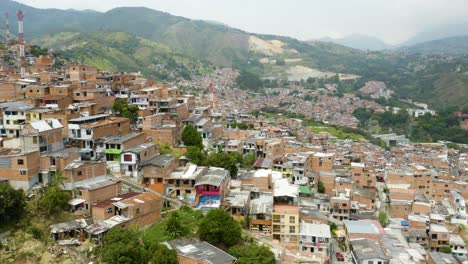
x,y
404,223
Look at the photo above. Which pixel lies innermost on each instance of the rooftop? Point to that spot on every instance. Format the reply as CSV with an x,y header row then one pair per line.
x,y
98,185
315,230
84,119
367,249
141,148
438,228
46,124
262,205
108,202
283,188
161,160
15,106
363,227
136,200
213,176
442,258
64,153
120,139
199,251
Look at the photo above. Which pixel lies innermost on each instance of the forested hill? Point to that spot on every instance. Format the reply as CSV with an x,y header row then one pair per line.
x,y
121,51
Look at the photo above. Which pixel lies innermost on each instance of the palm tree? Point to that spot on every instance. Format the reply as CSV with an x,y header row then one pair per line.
x,y
58,179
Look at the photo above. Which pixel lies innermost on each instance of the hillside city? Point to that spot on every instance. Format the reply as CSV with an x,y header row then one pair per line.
x,y
103,166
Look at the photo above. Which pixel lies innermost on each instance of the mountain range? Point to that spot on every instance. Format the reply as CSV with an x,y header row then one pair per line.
x,y
359,41
132,38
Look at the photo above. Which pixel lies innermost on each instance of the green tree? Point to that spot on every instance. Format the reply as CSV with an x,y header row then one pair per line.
x,y
196,155
121,108
252,253
12,203
161,254
321,187
227,161
446,250
383,218
333,227
249,81
243,126
191,137
249,160
54,199
122,245
363,115
220,229
174,226
165,148
38,51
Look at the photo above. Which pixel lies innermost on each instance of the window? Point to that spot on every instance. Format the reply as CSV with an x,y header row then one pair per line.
x,y
20,162
8,122
292,229
79,173
127,157
22,172
109,210
160,180
292,219
88,132
137,211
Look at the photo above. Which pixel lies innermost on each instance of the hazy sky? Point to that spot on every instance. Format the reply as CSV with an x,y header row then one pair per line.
x,y
393,21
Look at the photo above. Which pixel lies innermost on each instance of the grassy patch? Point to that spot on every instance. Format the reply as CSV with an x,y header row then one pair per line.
x,y
188,217
336,132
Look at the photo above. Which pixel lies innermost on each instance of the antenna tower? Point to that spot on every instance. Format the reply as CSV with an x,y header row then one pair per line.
x,y
7,16
21,43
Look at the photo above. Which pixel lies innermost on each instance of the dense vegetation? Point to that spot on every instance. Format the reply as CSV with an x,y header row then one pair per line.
x,y
54,200
229,161
124,245
38,51
191,137
249,81
121,108
444,126
219,229
120,51
12,204
253,253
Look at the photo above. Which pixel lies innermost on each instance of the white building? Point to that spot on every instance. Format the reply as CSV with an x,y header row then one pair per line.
x,y
315,238
14,118
458,246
